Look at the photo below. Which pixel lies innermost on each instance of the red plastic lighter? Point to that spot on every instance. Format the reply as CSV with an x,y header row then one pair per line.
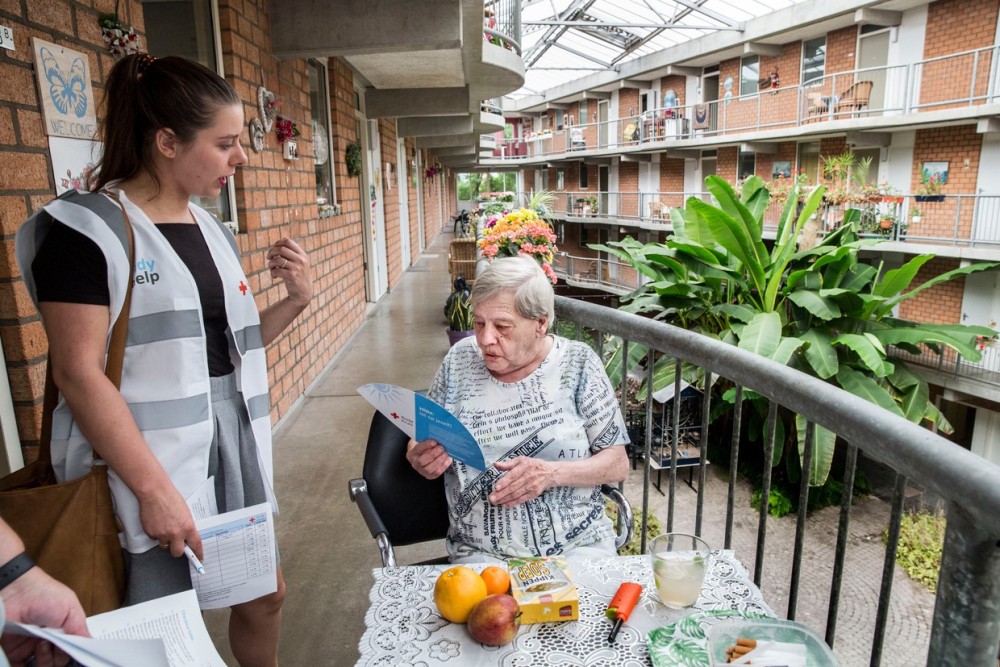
x,y
622,605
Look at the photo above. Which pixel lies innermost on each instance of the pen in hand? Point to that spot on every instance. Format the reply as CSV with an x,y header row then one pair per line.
x,y
194,559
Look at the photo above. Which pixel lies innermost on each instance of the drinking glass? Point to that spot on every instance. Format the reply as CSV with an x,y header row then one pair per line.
x,y
679,564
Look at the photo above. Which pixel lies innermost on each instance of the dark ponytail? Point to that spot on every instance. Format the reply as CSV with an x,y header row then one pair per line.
x,y
145,94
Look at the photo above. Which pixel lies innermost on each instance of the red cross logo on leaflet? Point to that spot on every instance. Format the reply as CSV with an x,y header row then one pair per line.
x,y
394,415
243,288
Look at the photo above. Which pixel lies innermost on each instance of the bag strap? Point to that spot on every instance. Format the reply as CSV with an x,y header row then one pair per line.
x,y
116,348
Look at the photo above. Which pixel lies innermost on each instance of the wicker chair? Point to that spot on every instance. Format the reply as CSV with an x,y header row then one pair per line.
x,y
855,97
462,259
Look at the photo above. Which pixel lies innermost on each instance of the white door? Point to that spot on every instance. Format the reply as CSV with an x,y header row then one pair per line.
x,y
602,119
402,184
376,270
985,227
873,51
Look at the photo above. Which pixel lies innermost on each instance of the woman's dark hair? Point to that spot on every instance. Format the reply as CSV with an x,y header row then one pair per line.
x,y
144,94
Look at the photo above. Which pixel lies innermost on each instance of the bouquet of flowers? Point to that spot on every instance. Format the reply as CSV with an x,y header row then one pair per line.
x,y
285,128
120,39
520,232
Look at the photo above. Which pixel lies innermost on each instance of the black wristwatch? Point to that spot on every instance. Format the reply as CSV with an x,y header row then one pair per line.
x,y
14,568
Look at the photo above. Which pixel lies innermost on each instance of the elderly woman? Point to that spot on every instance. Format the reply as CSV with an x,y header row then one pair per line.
x,y
545,414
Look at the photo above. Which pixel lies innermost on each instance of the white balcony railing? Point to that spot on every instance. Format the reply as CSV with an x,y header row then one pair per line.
x,y
956,81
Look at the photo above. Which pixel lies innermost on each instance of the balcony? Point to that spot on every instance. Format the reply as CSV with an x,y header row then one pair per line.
x,y
432,66
961,226
959,88
965,623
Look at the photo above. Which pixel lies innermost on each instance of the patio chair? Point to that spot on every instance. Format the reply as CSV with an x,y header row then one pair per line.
x,y
401,507
658,210
855,97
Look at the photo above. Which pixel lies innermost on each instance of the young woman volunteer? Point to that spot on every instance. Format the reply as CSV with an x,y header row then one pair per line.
x,y
194,397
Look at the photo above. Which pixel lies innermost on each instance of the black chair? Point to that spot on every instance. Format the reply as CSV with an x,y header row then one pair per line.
x,y
400,507
460,223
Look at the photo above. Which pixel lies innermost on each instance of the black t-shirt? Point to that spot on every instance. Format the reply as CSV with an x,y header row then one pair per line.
x,y
70,268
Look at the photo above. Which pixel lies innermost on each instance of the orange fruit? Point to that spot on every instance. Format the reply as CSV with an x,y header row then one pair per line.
x,y
456,591
496,578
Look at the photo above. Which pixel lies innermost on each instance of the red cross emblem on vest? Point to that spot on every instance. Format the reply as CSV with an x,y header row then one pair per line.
x,y
243,288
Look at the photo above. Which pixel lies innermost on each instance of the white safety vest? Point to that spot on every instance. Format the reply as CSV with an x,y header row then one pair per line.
x,y
165,378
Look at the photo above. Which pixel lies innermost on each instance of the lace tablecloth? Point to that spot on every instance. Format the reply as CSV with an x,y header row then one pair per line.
x,y
403,627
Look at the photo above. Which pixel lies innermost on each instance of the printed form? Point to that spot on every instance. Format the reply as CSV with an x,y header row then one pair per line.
x,y
239,557
167,631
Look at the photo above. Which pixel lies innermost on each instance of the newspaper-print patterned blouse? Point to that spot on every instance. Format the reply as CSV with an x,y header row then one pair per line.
x,y
565,410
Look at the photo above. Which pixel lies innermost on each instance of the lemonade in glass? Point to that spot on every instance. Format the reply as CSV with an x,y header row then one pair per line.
x,y
679,564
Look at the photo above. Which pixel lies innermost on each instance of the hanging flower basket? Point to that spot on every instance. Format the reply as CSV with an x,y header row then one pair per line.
x,y
120,39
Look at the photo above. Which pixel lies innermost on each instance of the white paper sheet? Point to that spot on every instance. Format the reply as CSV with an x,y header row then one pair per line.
x,y
239,557
421,418
202,502
98,652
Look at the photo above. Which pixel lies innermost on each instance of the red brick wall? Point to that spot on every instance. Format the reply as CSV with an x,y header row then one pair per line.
x,y
672,180
960,146
405,172
726,163
941,304
840,47
951,78
628,182
960,25
390,200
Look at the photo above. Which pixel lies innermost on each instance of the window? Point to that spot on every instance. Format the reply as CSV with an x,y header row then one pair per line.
x,y
319,99
746,167
749,75
583,175
648,100
560,179
583,111
545,179
188,28
559,119
813,59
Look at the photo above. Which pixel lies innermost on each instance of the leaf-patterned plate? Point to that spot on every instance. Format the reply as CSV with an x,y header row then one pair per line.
x,y
683,644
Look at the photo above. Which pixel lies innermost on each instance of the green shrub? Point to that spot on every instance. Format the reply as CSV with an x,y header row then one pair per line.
x,y
653,528
921,539
779,504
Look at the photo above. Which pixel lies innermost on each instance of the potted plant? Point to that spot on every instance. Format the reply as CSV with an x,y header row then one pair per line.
x,y
458,310
915,215
592,202
930,188
886,222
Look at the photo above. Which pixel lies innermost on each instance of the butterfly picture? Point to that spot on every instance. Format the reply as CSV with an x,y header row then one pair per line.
x,y
66,89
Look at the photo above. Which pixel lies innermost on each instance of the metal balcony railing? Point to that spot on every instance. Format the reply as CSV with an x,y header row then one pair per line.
x,y
966,619
502,24
955,81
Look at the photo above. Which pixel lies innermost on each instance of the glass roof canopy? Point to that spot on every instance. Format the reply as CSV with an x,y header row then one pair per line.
x,y
563,40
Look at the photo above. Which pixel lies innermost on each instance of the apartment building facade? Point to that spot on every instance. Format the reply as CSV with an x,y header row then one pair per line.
x,y
905,94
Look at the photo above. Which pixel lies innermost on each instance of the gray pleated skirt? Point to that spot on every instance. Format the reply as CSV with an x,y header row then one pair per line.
x,y
238,483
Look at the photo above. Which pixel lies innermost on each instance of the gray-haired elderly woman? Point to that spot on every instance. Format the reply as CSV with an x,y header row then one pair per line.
x,y
545,414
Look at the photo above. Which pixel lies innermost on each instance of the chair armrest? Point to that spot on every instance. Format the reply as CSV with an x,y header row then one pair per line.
x,y
623,523
358,489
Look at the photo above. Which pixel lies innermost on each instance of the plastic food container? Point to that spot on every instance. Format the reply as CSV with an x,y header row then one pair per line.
x,y
724,634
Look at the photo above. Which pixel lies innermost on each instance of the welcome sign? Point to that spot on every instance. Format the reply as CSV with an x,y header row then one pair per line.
x,y
65,90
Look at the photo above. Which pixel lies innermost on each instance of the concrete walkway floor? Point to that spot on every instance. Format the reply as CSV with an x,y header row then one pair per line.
x,y
327,553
